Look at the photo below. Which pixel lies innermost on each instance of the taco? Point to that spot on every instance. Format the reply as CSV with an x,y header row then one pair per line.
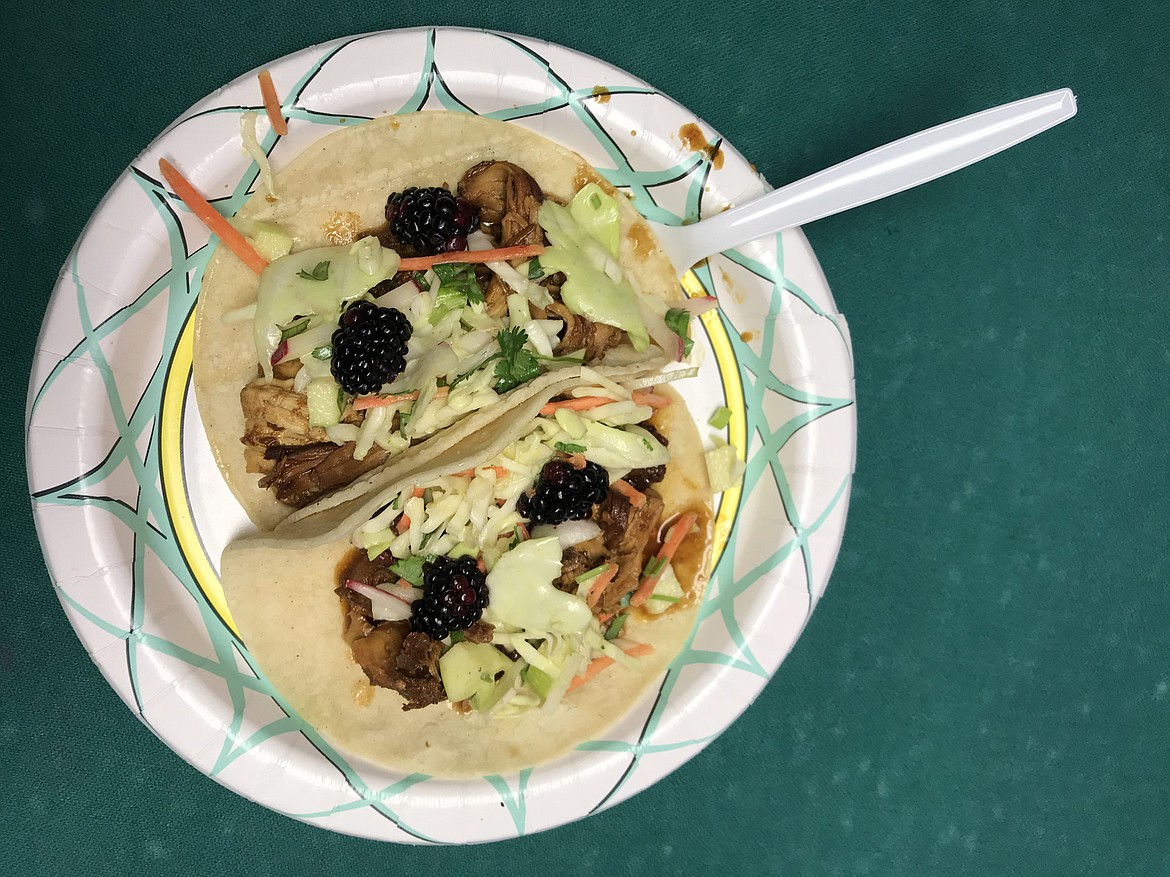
x,y
493,611
356,357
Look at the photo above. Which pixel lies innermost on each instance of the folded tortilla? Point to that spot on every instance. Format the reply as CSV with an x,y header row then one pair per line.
x,y
280,589
343,180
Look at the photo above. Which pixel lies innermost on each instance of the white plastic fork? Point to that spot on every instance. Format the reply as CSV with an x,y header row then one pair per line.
x,y
884,171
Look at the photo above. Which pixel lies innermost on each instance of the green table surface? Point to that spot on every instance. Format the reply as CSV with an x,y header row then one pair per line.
x,y
985,688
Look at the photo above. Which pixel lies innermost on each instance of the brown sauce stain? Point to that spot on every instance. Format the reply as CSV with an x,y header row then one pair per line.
x,y
586,175
733,288
692,138
641,239
601,93
689,561
746,336
341,227
633,132
394,123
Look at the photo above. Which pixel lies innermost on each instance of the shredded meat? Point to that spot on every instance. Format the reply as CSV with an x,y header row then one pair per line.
x,y
369,572
579,559
627,531
506,195
297,461
302,474
583,334
509,200
495,298
274,414
480,632
375,645
390,654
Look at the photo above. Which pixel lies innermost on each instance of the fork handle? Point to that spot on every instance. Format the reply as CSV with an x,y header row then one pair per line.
x,y
884,171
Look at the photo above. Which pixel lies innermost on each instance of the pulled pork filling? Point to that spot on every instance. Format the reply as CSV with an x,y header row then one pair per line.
x,y
300,463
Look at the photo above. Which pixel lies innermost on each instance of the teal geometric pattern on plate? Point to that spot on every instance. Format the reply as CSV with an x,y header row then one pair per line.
x,y
110,348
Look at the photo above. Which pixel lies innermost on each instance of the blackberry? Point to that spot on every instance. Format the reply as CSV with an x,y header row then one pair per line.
x,y
563,493
369,347
431,220
641,479
454,596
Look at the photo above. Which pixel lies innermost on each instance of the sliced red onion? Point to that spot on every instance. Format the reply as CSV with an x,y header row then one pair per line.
x,y
569,533
383,606
406,593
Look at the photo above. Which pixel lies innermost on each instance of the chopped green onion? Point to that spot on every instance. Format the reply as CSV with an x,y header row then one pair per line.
x,y
449,270
456,637
653,567
324,352
535,272
720,418
425,539
340,399
616,625
664,598
568,448
321,272
593,573
420,278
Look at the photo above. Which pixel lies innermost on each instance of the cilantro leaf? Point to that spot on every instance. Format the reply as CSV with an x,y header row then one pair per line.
x,y
535,271
411,568
568,448
516,365
321,272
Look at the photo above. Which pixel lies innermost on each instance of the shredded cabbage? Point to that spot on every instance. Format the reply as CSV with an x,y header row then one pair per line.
x,y
252,147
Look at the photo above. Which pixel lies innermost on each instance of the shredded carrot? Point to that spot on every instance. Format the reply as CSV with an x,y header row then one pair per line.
x,y
673,540
676,535
211,217
501,471
504,254
577,461
403,525
524,537
654,400
480,565
636,497
584,403
378,401
417,493
599,584
272,103
595,667
636,650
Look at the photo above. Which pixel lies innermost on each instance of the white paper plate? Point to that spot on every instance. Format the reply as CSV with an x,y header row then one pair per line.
x,y
133,514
